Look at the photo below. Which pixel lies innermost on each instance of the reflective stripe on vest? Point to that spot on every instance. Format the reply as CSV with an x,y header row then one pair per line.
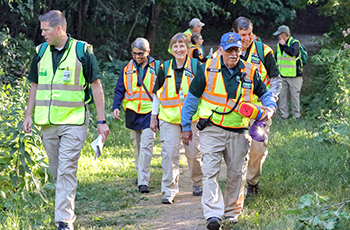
x,y
214,96
287,65
135,97
60,97
171,102
193,48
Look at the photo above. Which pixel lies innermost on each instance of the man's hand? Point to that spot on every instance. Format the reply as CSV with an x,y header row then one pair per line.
x,y
116,114
281,40
186,137
27,124
103,130
269,112
154,123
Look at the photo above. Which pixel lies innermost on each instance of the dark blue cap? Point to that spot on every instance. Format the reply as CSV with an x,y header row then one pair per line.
x,y
229,40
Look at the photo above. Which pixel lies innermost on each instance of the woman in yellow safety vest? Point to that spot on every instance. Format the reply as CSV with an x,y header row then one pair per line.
x,y
171,88
196,52
134,89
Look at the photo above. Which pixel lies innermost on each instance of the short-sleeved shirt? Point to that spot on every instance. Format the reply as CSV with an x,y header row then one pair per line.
x,y
269,62
178,76
90,67
198,85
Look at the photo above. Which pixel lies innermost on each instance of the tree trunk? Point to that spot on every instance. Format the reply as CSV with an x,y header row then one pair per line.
x,y
153,25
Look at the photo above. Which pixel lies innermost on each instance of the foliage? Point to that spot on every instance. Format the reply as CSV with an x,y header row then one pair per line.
x,y
23,164
314,212
14,56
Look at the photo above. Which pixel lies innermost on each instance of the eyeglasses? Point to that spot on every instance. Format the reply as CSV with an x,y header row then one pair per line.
x,y
138,54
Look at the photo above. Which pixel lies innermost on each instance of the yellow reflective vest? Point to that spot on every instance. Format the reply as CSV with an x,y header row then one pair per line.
x,y
171,101
135,97
214,96
287,65
60,96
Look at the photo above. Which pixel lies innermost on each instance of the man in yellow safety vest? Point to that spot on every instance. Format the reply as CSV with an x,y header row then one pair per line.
x,y
58,96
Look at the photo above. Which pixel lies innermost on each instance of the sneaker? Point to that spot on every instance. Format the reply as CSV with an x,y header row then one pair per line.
x,y
168,200
197,191
231,219
213,223
252,190
62,226
143,189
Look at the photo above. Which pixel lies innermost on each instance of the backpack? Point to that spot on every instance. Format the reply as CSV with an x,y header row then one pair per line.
x,y
260,50
303,52
194,64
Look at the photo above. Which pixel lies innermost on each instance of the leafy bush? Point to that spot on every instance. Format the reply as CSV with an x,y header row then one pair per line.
x,y
314,212
14,56
23,163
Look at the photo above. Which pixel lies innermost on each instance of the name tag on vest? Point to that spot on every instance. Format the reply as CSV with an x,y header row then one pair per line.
x,y
152,70
213,70
188,73
255,59
130,71
247,85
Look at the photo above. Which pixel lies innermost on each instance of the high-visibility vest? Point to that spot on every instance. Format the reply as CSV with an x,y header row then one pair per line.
x,y
287,65
188,33
193,48
135,97
214,96
60,96
171,101
255,58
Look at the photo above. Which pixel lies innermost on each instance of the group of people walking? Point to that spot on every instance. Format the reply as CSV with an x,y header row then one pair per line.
x,y
206,109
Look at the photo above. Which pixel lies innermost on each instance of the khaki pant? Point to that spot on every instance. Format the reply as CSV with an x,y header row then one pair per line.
x,y
292,85
143,141
63,145
170,138
216,143
257,155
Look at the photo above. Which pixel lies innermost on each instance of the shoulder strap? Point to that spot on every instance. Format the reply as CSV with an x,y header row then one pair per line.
x,y
80,51
156,65
42,50
166,67
260,50
194,65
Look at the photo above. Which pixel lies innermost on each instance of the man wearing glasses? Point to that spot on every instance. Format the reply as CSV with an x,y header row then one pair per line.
x,y
218,84
134,88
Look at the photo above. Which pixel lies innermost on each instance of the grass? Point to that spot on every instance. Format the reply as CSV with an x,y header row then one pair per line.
x,y
296,165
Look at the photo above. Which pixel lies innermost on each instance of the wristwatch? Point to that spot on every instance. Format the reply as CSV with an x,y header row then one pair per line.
x,y
101,122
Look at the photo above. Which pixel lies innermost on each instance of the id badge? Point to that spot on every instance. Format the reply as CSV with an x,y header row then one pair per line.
x,y
182,96
66,76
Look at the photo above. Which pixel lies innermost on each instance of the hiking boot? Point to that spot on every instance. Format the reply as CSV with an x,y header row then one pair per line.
x,y
168,200
213,223
231,219
252,190
62,226
143,189
197,191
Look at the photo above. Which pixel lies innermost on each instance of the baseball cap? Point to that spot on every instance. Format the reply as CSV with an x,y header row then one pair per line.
x,y
282,29
195,22
229,40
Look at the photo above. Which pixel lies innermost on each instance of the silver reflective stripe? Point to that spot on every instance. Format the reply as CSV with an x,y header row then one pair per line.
x,y
61,87
286,58
136,96
231,103
128,81
215,99
77,71
59,103
287,66
163,95
211,75
247,69
169,102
